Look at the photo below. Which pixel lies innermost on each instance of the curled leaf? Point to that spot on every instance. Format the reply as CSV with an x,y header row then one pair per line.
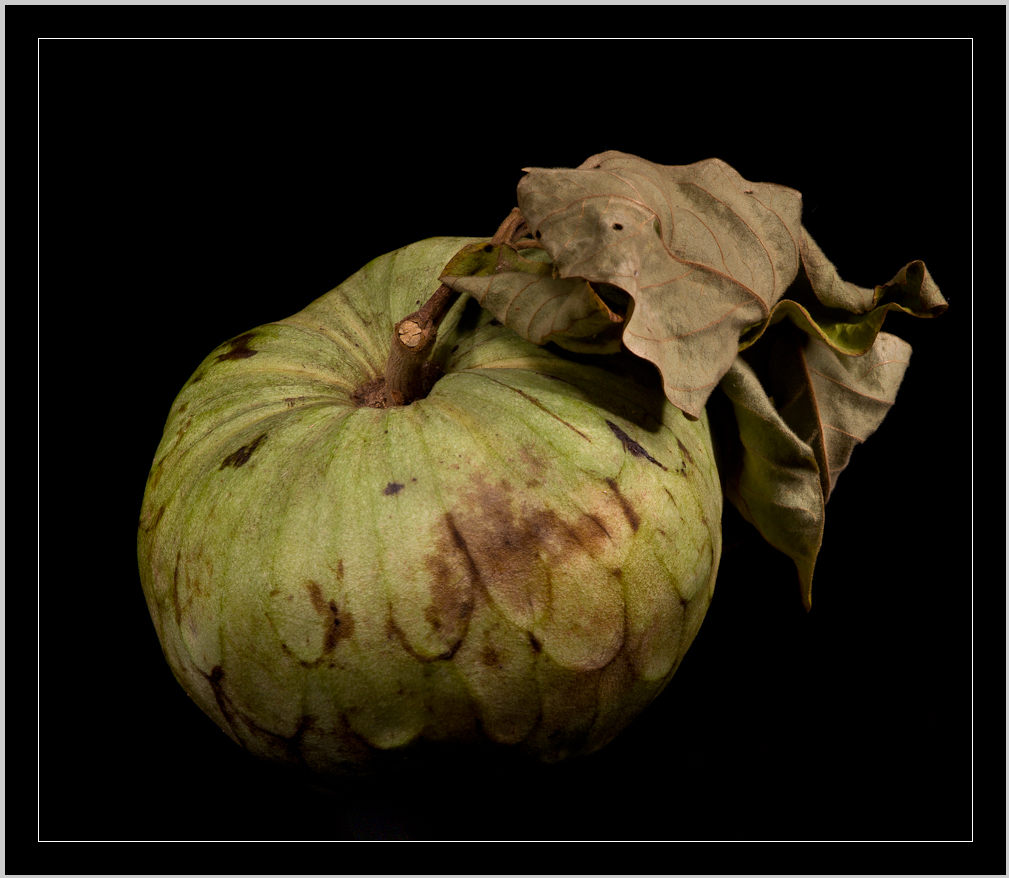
x,y
703,253
804,394
777,486
833,401
912,288
521,289
848,317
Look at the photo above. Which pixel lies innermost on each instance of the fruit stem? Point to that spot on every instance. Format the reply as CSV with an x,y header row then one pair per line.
x,y
408,374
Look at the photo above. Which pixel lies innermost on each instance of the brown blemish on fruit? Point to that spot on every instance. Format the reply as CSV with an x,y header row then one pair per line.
x,y
451,601
288,745
452,592
459,543
625,505
595,520
489,657
686,454
216,680
392,489
152,521
537,465
508,549
339,626
534,643
155,474
176,602
241,456
394,632
240,349
631,446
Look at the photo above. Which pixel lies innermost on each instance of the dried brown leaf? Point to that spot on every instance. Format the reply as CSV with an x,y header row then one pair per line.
x,y
703,253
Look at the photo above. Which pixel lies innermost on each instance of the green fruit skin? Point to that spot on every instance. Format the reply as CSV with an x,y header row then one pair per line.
x,y
521,558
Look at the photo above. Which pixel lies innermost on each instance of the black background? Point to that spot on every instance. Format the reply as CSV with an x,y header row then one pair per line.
x,y
190,190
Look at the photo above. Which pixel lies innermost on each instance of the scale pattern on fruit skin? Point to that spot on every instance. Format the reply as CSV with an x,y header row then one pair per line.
x,y
499,668
497,524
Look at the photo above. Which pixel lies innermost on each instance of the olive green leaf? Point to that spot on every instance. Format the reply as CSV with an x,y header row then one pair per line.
x,y
703,254
521,289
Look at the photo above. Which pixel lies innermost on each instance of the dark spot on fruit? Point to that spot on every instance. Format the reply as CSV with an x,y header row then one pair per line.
x,y
617,227
534,643
625,506
215,679
495,322
289,745
488,248
339,625
241,456
315,596
633,447
153,522
538,234
240,349
392,488
490,657
686,454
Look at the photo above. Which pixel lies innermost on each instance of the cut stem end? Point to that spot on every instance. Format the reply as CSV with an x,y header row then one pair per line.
x,y
409,374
